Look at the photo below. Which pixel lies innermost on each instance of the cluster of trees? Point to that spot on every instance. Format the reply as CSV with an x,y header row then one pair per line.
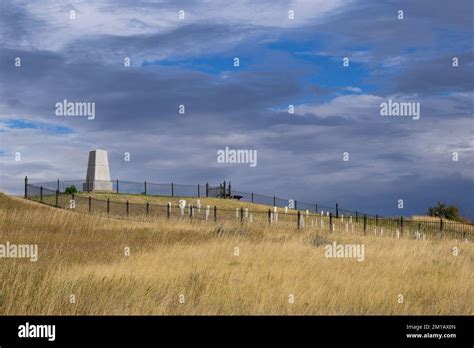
x,y
450,212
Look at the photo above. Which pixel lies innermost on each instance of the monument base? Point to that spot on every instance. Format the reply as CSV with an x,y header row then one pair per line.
x,y
98,186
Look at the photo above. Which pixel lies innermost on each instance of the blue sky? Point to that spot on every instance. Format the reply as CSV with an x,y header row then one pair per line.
x,y
282,62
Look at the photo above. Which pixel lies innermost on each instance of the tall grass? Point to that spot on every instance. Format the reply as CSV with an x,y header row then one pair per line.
x,y
182,267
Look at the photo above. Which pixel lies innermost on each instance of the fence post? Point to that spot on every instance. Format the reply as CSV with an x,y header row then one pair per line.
x,y
296,204
215,214
41,194
252,197
337,211
269,216
90,204
26,187
145,188
126,205
274,201
207,189
376,220
57,185
117,186
191,211
441,225
172,190
108,206
330,222
225,193
316,208
365,223
57,198
147,208
401,223
357,216
199,191
241,215
168,210
230,190
298,216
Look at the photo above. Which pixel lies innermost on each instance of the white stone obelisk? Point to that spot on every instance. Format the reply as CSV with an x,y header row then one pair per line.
x,y
98,173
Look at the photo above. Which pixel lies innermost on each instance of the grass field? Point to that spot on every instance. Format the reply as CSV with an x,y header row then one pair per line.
x,y
183,267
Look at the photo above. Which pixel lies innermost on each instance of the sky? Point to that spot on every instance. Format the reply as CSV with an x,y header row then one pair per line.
x,y
189,60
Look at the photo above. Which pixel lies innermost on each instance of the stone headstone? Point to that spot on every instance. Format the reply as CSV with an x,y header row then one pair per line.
x,y
98,173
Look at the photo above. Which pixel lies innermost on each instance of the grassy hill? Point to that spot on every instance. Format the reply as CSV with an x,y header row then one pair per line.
x,y
163,200
198,267
227,210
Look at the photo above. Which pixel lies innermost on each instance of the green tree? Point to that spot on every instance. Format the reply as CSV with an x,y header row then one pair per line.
x,y
445,211
70,189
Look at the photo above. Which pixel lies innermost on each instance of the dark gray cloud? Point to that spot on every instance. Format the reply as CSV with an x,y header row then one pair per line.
x,y
299,156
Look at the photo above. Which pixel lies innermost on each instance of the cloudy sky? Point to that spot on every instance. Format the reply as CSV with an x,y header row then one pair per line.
x,y
283,61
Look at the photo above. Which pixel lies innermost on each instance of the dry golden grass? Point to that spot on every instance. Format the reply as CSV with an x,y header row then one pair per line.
x,y
163,200
83,254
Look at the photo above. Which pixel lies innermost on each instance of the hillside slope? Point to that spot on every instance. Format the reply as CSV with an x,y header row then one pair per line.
x,y
118,266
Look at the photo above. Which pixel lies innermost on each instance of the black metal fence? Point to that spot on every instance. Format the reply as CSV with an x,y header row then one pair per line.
x,y
223,190
299,215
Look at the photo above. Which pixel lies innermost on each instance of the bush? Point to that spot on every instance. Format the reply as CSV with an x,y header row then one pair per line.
x,y
444,211
70,189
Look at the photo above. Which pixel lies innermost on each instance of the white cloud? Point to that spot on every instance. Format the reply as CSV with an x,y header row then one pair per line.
x,y
107,17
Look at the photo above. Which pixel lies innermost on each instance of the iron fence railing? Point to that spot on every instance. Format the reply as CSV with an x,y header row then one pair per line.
x,y
301,214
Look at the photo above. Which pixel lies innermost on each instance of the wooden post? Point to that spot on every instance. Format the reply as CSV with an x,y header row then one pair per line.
x,y
90,204
57,185
252,197
26,187
215,214
330,222
269,216
357,216
207,189
225,193
41,194
108,206
172,190
147,208
57,199
296,204
365,223
274,201
127,206
298,217
168,210
441,224
145,188
401,223
199,191
315,208
116,183
241,215
337,211
376,220
230,190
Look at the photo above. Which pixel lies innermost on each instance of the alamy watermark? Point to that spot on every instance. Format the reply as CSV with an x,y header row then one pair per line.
x,y
335,250
403,109
67,108
37,331
10,250
237,156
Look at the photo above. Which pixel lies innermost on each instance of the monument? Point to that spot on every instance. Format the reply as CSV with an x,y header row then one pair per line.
x,y
98,173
